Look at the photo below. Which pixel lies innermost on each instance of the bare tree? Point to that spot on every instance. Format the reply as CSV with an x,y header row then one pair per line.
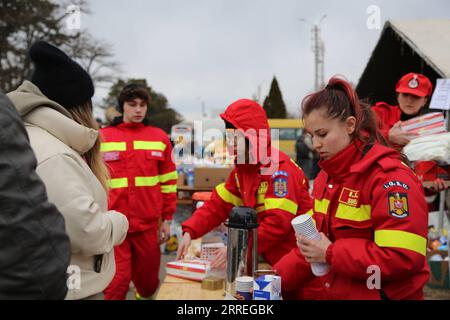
x,y
24,22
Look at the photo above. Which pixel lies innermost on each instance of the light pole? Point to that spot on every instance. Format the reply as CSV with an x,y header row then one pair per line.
x,y
318,48
203,108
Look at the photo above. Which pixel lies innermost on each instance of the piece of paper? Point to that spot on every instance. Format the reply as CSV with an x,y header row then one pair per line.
x,y
441,96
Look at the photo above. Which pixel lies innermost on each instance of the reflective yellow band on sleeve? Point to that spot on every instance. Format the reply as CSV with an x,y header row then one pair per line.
x,y
282,204
227,196
118,183
362,213
168,176
113,146
401,239
169,189
146,181
321,205
149,145
260,198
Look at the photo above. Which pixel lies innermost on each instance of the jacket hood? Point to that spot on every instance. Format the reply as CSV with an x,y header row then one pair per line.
x,y
36,109
251,119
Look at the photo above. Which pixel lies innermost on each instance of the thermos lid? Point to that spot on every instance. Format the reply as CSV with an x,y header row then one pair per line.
x,y
242,218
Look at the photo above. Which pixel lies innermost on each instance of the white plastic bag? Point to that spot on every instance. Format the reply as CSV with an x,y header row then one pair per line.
x,y
429,148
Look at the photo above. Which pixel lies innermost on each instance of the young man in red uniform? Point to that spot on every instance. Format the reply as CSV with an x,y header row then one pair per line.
x,y
143,187
368,206
268,180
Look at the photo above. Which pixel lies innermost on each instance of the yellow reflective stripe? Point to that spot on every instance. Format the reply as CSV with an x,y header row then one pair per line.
x,y
118,183
260,198
169,189
227,196
146,181
310,212
168,176
282,204
321,205
113,146
401,239
149,145
260,209
363,213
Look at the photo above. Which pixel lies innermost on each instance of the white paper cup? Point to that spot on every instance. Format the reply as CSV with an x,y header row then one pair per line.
x,y
304,225
320,269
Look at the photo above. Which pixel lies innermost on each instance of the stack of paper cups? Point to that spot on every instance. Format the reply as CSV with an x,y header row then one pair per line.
x,y
244,288
304,225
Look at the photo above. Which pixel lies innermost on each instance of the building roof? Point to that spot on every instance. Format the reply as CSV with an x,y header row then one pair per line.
x,y
404,46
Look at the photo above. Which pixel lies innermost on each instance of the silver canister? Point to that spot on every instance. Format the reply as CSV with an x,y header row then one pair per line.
x,y
241,246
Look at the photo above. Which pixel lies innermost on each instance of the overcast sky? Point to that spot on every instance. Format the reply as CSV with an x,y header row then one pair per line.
x,y
217,51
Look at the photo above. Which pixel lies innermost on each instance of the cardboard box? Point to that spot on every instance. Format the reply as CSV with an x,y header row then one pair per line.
x,y
188,269
427,124
267,287
181,181
209,250
206,177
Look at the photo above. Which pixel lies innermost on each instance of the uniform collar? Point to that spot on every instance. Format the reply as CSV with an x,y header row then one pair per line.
x,y
344,161
131,125
118,121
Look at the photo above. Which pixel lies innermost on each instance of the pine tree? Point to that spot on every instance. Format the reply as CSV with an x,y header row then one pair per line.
x,y
273,104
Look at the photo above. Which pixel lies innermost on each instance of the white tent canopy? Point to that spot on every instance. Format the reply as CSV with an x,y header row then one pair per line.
x,y
404,46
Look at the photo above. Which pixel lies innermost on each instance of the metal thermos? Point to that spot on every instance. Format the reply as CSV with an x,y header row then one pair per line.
x,y
242,226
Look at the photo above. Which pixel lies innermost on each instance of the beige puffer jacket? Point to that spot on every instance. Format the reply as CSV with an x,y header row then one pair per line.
x,y
59,143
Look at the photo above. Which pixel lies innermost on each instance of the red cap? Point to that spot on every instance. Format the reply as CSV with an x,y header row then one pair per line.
x,y
416,84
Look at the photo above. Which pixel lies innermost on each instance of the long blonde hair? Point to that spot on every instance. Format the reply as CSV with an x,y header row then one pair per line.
x,y
84,116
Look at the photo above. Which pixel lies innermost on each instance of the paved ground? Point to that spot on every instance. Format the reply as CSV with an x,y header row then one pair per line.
x,y
437,294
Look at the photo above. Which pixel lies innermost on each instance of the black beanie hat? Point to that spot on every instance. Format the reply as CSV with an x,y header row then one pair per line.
x,y
59,77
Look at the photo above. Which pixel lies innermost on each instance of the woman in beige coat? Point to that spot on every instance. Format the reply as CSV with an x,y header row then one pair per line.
x,y
57,111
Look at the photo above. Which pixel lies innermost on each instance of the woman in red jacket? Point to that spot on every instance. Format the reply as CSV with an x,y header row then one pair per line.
x,y
413,92
368,205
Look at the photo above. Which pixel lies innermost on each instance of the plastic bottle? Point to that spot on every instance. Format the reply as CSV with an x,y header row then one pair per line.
x,y
190,177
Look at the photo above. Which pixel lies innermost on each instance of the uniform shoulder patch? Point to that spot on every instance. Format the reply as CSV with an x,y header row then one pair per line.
x,y
280,173
280,187
395,183
398,204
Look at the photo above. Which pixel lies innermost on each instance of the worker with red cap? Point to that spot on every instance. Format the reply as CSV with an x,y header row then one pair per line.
x,y
413,91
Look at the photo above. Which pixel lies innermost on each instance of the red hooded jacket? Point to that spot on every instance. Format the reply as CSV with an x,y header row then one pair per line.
x,y
143,175
372,208
275,186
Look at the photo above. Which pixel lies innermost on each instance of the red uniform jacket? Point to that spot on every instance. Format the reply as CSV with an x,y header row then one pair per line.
x,y
387,116
372,208
278,195
143,175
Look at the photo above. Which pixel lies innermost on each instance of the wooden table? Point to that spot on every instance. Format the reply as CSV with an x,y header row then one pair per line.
x,y
174,288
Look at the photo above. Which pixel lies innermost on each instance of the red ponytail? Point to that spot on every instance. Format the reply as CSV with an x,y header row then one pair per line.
x,y
340,101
